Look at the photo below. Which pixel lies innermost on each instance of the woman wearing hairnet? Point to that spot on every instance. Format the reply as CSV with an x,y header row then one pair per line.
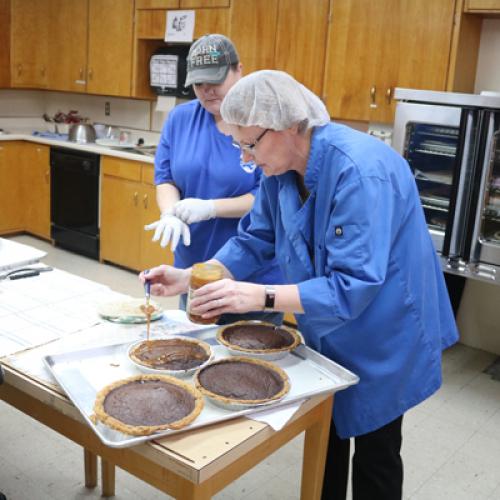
x,y
341,212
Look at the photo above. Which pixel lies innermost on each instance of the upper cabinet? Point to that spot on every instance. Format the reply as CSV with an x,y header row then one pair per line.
x,y
29,43
352,53
109,67
68,45
301,51
374,47
73,45
5,43
253,31
482,6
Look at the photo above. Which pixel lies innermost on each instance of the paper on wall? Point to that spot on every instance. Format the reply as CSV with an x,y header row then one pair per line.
x,y
179,26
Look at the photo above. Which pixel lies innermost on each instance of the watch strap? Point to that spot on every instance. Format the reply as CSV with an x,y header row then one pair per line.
x,y
270,298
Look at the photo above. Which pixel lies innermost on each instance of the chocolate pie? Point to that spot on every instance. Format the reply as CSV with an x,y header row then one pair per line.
x,y
242,380
258,337
171,354
144,404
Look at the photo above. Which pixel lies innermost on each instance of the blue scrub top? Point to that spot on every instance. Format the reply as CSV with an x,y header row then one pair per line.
x,y
203,163
369,278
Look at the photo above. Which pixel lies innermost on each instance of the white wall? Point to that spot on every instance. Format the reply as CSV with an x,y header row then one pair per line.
x,y
125,113
488,66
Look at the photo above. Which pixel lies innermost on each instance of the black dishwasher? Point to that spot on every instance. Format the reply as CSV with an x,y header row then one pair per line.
x,y
74,200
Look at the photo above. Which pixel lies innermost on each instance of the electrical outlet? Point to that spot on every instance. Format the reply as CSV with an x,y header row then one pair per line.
x,y
107,108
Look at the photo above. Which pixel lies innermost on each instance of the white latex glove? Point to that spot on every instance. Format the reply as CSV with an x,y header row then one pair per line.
x,y
194,210
170,228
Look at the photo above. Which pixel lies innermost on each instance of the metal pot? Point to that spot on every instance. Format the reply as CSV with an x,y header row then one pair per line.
x,y
82,133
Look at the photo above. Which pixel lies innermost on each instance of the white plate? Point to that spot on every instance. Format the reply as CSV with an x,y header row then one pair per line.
x,y
175,373
128,311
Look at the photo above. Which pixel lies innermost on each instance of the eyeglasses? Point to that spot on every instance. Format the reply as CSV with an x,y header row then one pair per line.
x,y
250,148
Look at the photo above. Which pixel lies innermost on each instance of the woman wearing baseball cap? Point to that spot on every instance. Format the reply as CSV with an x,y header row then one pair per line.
x,y
203,190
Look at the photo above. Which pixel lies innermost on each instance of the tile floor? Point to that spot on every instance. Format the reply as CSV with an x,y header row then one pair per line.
x,y
451,443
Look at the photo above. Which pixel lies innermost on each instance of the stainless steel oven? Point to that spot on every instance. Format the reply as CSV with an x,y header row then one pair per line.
x,y
452,143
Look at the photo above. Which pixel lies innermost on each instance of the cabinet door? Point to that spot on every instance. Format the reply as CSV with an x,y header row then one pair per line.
x,y
253,31
482,5
121,220
29,50
196,4
152,254
353,49
36,175
12,203
68,45
377,46
110,47
301,41
5,43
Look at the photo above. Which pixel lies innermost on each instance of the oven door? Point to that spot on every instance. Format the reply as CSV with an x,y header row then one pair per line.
x,y
428,136
486,232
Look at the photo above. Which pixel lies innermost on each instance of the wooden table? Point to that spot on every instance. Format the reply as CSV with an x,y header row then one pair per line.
x,y
191,465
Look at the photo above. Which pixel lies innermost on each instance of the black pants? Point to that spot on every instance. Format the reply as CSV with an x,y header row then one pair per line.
x,y
377,468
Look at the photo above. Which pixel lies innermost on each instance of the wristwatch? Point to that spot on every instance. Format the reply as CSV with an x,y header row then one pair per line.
x,y
270,296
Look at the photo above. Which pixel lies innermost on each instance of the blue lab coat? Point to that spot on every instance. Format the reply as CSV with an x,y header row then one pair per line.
x,y
369,279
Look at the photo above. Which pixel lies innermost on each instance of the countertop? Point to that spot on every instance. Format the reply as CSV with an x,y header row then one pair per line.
x,y
91,147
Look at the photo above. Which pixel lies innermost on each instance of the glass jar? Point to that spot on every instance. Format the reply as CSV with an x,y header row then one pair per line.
x,y
201,274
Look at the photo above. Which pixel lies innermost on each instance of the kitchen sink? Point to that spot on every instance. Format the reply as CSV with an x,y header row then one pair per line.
x,y
145,150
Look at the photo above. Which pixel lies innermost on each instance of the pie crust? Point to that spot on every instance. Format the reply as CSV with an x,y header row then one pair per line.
x,y
172,354
263,366
193,396
232,336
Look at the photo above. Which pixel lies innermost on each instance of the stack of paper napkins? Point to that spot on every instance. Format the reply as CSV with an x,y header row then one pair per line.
x,y
13,254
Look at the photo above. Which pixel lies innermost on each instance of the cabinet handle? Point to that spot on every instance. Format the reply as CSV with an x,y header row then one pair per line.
x,y
81,73
145,201
136,198
47,178
91,74
388,95
19,69
373,97
43,70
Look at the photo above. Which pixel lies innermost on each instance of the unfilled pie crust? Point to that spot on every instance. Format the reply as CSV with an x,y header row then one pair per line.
x,y
171,354
258,337
145,404
242,380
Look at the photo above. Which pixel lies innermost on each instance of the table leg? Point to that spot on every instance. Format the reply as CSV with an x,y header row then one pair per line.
x,y
90,466
315,449
108,478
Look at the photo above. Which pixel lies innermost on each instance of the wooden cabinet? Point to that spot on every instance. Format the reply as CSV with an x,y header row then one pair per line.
x,y
374,47
29,43
36,188
68,45
302,31
24,188
253,31
12,202
109,66
128,202
482,6
5,43
180,4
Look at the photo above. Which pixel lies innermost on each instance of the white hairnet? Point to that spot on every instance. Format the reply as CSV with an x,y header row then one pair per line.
x,y
272,99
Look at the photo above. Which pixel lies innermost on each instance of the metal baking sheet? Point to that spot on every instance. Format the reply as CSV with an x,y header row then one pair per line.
x,y
84,372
